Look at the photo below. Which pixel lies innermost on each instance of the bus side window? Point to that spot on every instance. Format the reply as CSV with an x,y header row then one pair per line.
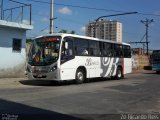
x,y
118,50
127,51
81,47
108,49
94,48
69,50
101,48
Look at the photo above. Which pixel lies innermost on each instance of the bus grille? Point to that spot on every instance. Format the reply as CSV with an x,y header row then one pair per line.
x,y
40,69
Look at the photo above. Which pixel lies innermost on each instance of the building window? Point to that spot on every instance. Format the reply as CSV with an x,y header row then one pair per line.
x,y
16,45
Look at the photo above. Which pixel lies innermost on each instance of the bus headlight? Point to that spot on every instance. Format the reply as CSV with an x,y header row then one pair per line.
x,y
53,68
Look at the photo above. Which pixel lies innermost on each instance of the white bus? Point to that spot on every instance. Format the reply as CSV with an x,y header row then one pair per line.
x,y
72,57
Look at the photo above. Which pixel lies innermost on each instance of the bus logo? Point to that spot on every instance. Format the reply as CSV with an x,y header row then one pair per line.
x,y
90,62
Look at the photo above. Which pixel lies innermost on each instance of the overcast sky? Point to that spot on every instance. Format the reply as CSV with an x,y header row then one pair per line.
x,y
75,14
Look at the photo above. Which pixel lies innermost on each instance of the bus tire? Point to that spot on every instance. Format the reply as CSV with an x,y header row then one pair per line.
x,y
80,76
119,73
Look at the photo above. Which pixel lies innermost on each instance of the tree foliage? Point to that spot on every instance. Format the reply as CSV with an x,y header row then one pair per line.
x,y
65,31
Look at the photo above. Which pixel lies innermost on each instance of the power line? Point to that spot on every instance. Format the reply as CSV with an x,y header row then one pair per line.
x,y
38,1
19,2
82,7
91,8
76,6
156,15
60,18
146,23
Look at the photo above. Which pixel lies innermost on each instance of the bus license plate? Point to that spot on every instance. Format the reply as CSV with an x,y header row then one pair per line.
x,y
39,75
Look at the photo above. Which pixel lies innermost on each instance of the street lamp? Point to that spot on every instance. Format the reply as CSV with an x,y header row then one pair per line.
x,y
110,16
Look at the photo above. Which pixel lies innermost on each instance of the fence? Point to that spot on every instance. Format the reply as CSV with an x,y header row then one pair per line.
x,y
21,13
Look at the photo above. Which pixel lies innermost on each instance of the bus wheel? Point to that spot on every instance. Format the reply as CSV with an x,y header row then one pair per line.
x,y
80,76
119,74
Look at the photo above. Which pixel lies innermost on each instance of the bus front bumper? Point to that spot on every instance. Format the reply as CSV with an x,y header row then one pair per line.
x,y
44,76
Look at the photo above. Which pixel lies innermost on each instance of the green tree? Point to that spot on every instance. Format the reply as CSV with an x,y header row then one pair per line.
x,y
28,40
65,31
72,32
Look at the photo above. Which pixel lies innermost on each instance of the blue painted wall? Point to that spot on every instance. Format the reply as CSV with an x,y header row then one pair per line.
x,y
8,33
12,64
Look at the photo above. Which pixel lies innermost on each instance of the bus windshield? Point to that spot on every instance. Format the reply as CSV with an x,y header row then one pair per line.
x,y
44,51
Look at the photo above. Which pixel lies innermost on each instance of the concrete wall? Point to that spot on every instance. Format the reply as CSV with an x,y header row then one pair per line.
x,y
139,61
8,33
11,63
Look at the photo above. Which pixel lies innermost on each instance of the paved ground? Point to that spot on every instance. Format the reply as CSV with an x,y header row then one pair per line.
x,y
138,93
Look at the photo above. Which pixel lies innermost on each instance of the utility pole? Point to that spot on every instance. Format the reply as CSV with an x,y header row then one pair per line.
x,y
51,17
146,23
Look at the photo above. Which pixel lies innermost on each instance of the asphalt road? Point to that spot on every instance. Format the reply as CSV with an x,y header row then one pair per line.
x,y
137,93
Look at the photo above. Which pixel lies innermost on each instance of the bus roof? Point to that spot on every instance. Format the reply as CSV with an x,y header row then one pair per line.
x,y
83,37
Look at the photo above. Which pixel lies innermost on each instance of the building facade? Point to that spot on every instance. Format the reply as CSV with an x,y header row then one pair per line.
x,y
105,29
12,48
138,51
140,59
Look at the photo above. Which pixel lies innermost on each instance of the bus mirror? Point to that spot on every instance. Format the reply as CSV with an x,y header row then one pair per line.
x,y
66,45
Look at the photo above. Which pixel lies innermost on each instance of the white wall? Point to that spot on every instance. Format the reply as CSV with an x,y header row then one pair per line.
x,y
11,63
9,59
8,33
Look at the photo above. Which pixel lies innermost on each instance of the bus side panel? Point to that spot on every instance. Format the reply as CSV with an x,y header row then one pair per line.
x,y
109,66
91,64
69,68
95,66
127,65
67,73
